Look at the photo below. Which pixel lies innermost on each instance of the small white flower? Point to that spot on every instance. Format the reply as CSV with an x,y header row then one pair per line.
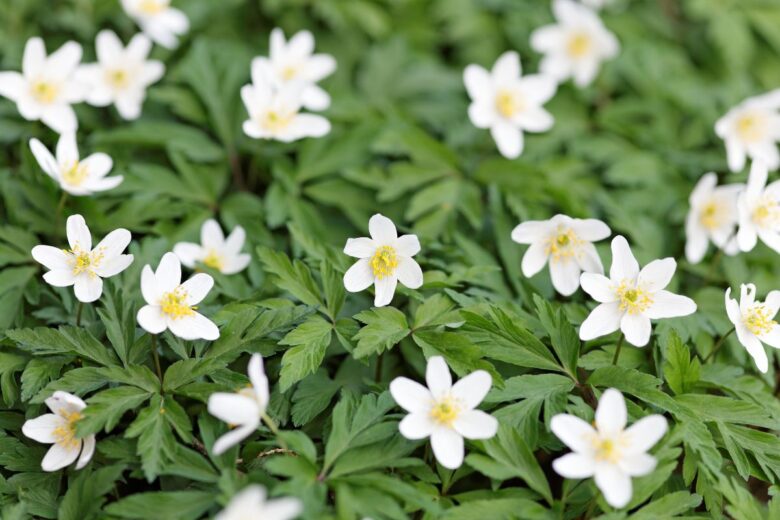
x,y
759,210
292,62
82,266
751,129
610,452
59,429
753,322
215,250
244,409
158,20
507,103
630,298
46,87
576,45
121,75
385,259
251,504
713,217
171,304
75,176
444,412
567,243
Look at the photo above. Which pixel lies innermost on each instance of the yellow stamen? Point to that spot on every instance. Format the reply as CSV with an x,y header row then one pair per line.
x,y
151,7
384,262
579,45
711,215
767,212
445,411
758,321
76,174
509,103
174,304
45,92
84,261
118,78
563,245
633,299
752,127
606,450
274,121
289,72
214,260
66,433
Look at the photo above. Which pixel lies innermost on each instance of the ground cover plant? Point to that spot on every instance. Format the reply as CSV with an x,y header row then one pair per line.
x,y
328,259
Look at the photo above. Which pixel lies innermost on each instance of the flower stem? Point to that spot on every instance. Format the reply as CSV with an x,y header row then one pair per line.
x,y
617,350
274,429
156,357
58,214
79,307
719,344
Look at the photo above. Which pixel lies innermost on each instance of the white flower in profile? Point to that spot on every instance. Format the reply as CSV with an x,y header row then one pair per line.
x,y
713,217
384,260
75,176
759,210
507,103
59,429
83,266
292,62
751,129
444,412
214,250
171,304
121,75
630,298
251,504
243,409
610,452
576,45
46,87
754,322
158,20
568,245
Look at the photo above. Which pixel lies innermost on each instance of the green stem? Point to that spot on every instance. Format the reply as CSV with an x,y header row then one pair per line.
x,y
617,350
156,357
79,307
274,429
719,344
378,369
58,214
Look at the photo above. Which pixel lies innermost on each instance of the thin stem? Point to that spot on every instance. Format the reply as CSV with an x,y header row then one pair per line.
x,y
156,357
617,350
719,344
235,168
58,214
274,429
79,307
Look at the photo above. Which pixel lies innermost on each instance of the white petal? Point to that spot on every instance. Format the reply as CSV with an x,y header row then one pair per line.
x,y
438,377
197,287
756,350
88,287
259,380
385,289
508,138
233,408
359,277
382,230
233,437
645,433
60,277
235,241
624,265
565,275
87,450
478,82
669,305
657,274
314,98
531,231
42,428
475,424
585,71
192,327
98,165
482,114
149,289
534,259
63,401
599,287
410,395
611,413
772,338
416,426
547,38
362,247
746,236
113,266
188,253
614,485
407,245
409,272
573,432
305,125
534,120
447,447
772,302
590,229
151,319
636,328
603,320
45,159
168,274
114,243
574,465
50,257
62,62
78,233
736,154
637,465
60,118
12,85
285,508
237,264
507,68
589,259
696,241
108,48
473,388
211,236
59,457
538,88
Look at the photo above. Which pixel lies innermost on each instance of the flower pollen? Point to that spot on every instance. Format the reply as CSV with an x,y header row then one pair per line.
x,y
563,245
152,7
606,450
118,78
44,91
758,321
84,261
214,260
445,411
579,45
76,174
275,121
174,304
767,212
711,215
65,433
633,299
384,262
509,103
751,127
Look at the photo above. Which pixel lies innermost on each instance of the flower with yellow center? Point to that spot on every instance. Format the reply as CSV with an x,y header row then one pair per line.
x,y
443,411
158,20
384,262
712,218
758,206
215,250
747,130
45,92
174,304
579,45
633,299
252,504
754,322
607,450
59,429
152,7
275,111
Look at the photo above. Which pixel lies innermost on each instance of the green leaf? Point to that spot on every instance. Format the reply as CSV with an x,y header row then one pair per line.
x,y
165,505
309,342
37,374
384,328
155,438
86,493
563,336
668,506
106,408
65,340
293,277
680,371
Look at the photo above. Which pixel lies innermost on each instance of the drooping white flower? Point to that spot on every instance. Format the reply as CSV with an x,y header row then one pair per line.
x,y
243,409
82,266
384,260
759,210
122,74
46,87
158,20
293,62
630,298
610,452
444,412
576,45
59,429
713,217
507,103
214,250
75,176
754,322
568,245
251,504
751,129
275,113
172,304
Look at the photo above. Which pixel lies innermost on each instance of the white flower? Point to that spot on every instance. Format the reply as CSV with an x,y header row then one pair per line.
x,y
610,452
751,129
171,304
292,62
713,216
215,250
507,103
46,88
121,75
75,176
759,210
385,259
753,322
567,243
82,266
443,411
251,504
596,4
576,45
158,20
243,409
59,429
630,298
275,113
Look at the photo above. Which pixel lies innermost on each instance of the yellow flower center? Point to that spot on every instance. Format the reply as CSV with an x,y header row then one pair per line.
x,y
84,261
66,433
758,321
445,411
289,72
633,299
711,215
751,127
118,78
563,245
767,212
214,260
579,45
151,7
606,450
44,91
509,103
76,174
274,121
174,304
384,262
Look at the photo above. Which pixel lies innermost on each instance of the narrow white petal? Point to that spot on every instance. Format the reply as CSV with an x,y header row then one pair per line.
x,y
637,329
385,289
416,426
438,377
87,450
565,275
448,447
611,414
192,327
637,465
473,388
603,320
599,287
359,277
573,432
645,433
42,428
475,424
407,245
197,288
51,257
574,465
534,259
410,395
614,485
409,272
78,233
382,230
657,274
88,287
624,265
233,437
59,457
151,319
669,305
362,247
233,408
